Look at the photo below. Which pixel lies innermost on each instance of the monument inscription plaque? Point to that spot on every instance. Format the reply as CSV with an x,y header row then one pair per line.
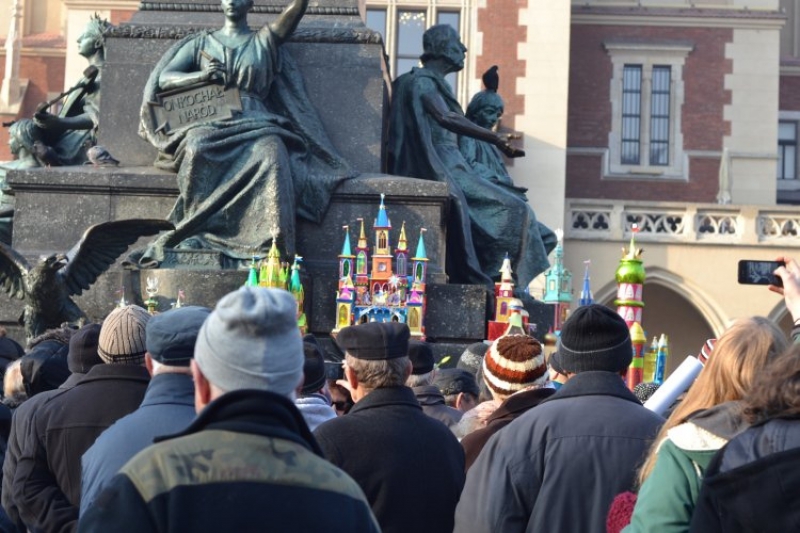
x,y
195,104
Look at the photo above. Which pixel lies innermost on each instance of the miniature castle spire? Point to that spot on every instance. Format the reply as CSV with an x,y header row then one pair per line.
x,y
381,228
504,292
587,298
270,275
558,284
383,219
346,257
362,236
295,285
252,275
402,242
421,252
630,276
346,246
505,270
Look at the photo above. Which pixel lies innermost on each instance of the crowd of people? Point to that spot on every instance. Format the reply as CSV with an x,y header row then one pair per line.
x,y
230,420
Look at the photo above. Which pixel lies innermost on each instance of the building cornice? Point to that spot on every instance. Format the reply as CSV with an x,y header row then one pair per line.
x,y
685,17
100,5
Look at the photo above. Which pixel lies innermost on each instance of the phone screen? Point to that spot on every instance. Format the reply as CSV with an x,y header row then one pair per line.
x,y
759,272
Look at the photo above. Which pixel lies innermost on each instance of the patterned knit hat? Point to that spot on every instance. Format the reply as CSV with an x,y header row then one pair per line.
x,y
122,336
513,363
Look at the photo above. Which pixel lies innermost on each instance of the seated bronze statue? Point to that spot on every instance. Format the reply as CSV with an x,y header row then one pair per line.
x,y
55,139
242,176
489,220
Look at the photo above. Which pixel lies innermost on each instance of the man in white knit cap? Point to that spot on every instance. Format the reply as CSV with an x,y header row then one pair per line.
x,y
249,458
47,481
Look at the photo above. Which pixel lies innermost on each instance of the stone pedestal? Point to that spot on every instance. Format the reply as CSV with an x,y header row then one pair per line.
x,y
55,206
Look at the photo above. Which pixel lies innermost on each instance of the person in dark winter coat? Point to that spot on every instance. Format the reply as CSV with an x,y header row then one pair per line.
x,y
515,371
410,466
421,379
753,482
314,400
20,422
47,482
248,462
168,404
10,350
558,466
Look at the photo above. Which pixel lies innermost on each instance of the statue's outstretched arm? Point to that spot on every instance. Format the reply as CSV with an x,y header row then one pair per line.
x,y
182,71
54,123
435,106
283,26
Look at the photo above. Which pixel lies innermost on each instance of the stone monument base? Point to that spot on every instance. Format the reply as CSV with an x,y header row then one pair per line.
x,y
55,206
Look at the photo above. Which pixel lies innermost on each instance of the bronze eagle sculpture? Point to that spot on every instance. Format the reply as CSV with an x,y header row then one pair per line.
x,y
47,287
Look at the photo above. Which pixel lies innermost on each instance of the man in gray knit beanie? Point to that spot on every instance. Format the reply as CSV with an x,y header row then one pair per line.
x,y
251,341
249,439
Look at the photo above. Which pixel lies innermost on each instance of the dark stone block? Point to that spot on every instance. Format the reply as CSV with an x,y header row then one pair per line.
x,y
456,312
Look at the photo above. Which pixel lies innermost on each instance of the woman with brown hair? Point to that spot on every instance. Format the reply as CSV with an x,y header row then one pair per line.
x,y
753,483
709,416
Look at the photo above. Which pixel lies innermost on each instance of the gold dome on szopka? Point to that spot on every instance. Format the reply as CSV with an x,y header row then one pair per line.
x,y
637,334
630,269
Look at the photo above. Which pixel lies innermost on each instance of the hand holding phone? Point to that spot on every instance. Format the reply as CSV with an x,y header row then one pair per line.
x,y
753,272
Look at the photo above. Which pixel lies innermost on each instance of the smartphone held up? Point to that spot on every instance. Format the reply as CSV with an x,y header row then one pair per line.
x,y
753,272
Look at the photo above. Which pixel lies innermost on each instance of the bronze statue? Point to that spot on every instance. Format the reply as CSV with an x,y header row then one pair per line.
x,y
47,286
488,220
254,169
61,138
485,159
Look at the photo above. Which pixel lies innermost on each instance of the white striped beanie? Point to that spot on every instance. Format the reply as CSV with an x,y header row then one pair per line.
x,y
122,336
513,363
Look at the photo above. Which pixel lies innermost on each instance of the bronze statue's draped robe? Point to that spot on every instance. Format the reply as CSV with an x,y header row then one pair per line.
x,y
489,220
70,146
239,178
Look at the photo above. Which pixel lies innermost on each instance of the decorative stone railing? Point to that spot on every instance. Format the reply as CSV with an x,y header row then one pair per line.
x,y
683,223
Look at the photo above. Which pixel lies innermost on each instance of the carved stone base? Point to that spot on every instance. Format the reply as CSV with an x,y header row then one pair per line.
x,y
192,259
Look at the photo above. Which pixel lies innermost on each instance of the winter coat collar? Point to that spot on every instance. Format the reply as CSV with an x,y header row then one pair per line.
x,y
518,403
386,396
709,429
72,380
254,412
594,383
105,372
169,388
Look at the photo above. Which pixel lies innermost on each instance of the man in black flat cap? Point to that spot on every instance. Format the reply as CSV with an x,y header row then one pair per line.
x,y
459,388
410,467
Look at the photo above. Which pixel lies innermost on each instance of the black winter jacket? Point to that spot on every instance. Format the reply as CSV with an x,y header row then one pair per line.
x,y
47,482
409,465
753,483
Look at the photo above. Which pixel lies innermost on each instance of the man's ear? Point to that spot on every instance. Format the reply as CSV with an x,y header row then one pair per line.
x,y
202,388
148,363
350,377
459,400
409,369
